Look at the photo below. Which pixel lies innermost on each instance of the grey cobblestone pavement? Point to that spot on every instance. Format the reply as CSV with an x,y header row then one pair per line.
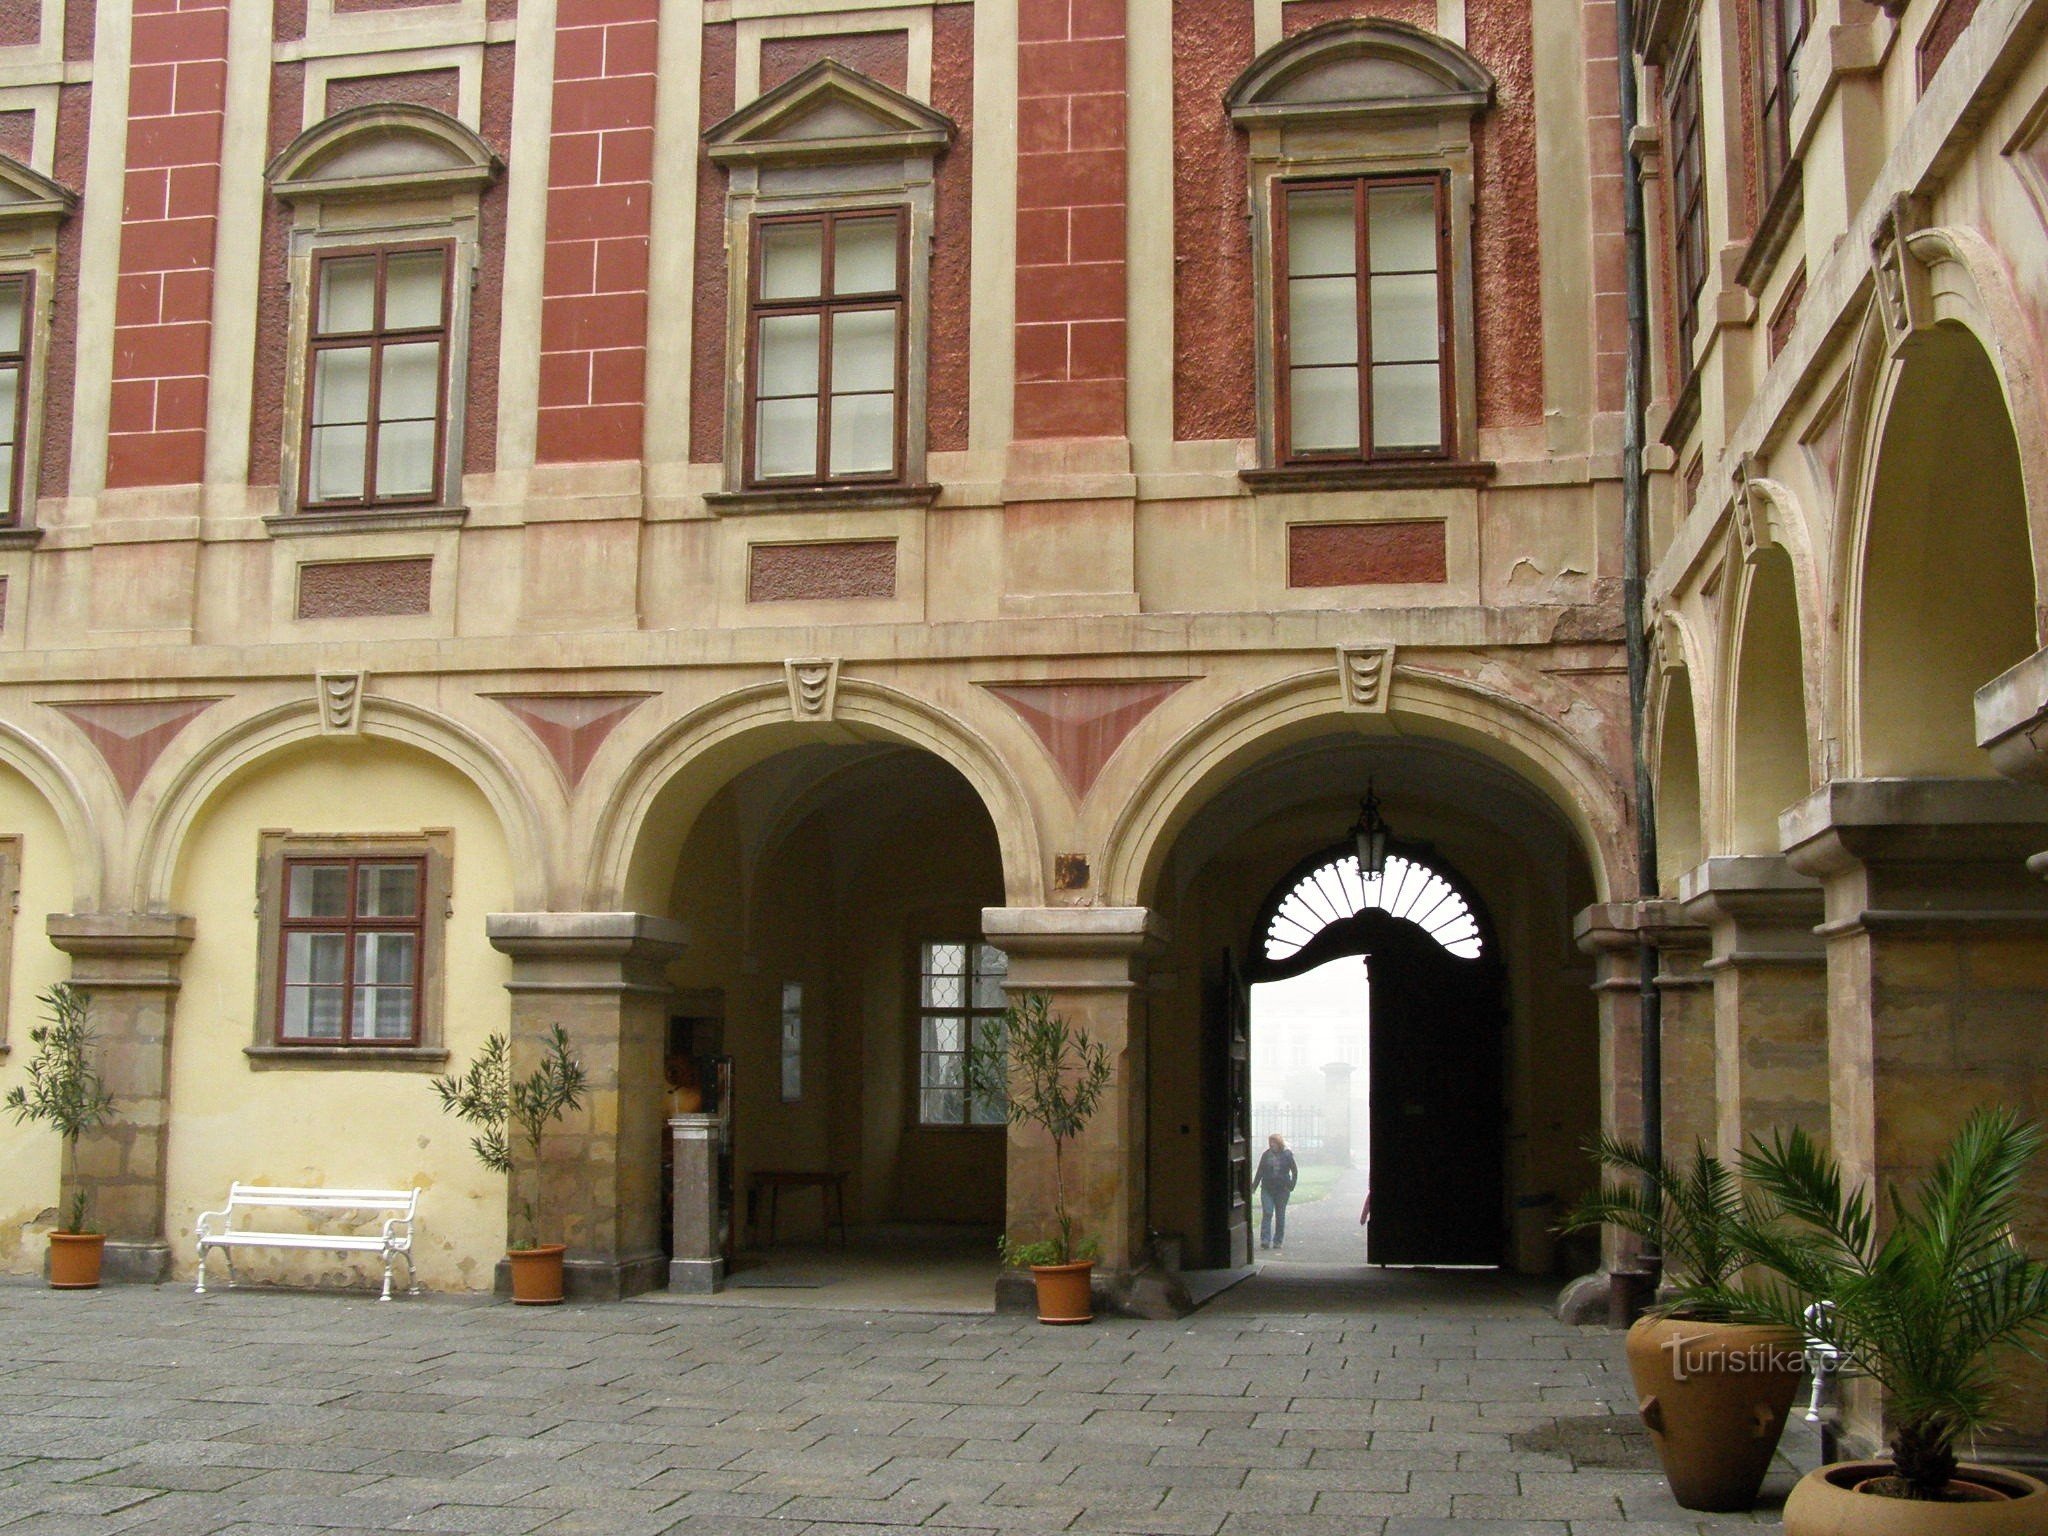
x,y
155,1411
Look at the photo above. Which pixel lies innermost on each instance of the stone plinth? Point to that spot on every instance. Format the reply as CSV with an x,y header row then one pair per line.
x,y
600,975
696,1261
127,964
1616,934
1769,972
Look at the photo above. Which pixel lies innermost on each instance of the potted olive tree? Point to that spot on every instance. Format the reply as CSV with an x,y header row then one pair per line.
x,y
1046,1072
488,1097
1714,1388
64,1090
1925,1308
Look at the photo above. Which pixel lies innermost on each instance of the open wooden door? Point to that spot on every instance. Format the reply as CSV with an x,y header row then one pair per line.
x,y
1227,1116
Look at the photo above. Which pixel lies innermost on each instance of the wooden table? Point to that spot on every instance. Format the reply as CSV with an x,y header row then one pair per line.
x,y
773,1181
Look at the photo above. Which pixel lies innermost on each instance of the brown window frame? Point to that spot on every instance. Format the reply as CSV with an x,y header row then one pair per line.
x,y
825,307
1781,32
1683,108
21,360
349,926
377,339
919,1012
1361,187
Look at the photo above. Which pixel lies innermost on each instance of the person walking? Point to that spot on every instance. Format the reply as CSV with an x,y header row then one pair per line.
x,y
1275,1183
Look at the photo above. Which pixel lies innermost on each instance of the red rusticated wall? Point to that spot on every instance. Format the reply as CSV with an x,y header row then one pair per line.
x,y
177,91
716,99
1071,178
1610,252
1214,326
952,302
74,131
593,331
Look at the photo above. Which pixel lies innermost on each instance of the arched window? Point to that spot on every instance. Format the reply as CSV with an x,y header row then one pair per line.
x,y
1334,891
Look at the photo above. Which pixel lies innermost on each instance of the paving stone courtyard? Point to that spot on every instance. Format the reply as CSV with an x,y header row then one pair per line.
x,y
1406,1406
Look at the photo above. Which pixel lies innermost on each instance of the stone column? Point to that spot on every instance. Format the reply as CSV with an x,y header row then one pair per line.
x,y
696,1260
1769,971
1089,962
127,964
600,975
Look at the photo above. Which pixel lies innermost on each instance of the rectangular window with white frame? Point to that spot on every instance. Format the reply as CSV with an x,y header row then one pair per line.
x,y
1363,322
960,1007
17,326
826,353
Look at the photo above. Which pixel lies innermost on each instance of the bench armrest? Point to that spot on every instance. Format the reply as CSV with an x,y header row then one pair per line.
x,y
393,1232
206,1216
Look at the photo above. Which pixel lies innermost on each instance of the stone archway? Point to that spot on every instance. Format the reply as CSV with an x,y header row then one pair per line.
x,y
1769,739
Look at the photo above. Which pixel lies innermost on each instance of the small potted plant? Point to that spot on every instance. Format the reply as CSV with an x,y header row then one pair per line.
x,y
1046,1072
1923,1309
487,1097
1714,1390
64,1090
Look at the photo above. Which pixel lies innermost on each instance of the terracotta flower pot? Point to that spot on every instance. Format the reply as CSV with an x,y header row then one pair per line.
x,y
537,1274
1827,1503
1064,1294
1714,1397
75,1260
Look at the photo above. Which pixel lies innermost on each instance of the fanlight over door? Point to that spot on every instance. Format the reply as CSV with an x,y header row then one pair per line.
x,y
1334,891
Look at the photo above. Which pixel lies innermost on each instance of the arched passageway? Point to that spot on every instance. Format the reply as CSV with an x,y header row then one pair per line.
x,y
1770,725
1679,831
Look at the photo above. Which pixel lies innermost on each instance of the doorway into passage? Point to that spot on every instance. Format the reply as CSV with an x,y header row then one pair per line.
x,y
1310,1087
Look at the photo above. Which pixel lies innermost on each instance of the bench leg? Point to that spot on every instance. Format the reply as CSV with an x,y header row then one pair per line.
x,y
412,1279
199,1289
233,1278
387,1276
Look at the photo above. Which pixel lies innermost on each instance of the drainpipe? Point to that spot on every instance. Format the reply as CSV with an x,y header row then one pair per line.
x,y
1635,535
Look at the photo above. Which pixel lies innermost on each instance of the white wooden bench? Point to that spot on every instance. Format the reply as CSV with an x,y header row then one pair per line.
x,y
218,1229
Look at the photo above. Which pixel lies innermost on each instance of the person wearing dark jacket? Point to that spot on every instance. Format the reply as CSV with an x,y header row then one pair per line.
x,y
1275,1182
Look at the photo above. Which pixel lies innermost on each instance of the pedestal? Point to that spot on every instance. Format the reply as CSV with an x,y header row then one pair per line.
x,y
696,1262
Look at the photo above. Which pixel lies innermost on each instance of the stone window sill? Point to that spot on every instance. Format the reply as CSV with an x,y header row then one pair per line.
x,y
1368,477
20,538
292,524
1781,216
821,498
344,1057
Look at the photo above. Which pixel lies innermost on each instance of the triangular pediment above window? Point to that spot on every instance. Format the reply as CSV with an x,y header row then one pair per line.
x,y
382,149
828,112
26,194
1359,69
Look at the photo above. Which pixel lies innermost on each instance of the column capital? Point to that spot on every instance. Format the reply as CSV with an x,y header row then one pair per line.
x,y
1073,930
2012,719
121,934
577,950
1613,927
1756,906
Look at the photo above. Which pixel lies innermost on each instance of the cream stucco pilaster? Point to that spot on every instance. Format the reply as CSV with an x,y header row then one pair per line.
x,y
1089,962
127,965
600,975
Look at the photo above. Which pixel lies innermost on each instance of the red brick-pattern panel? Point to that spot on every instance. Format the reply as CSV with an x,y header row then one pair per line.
x,y
487,301
365,589
952,303
593,330
74,128
440,89
847,568
1214,393
883,56
716,98
21,23
1300,15
177,91
1071,176
1943,30
1610,253
273,326
18,135
1364,554
385,5
1787,314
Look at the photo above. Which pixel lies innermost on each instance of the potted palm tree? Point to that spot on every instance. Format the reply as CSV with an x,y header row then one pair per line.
x,y
488,1097
1046,1072
1925,1309
64,1090
1714,1388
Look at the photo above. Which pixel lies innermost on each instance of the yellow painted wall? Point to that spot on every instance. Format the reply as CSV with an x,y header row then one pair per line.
x,y
29,1154
348,1126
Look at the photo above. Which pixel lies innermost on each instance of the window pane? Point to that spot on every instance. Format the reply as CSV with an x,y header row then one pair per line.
x,y
940,1034
1405,319
341,386
864,256
945,992
789,355
1322,233
1324,403
941,1106
7,486
945,959
315,958
1407,407
405,459
348,295
864,350
336,470
991,965
943,1069
312,1013
1322,320
863,434
389,959
413,287
411,386
13,307
318,890
382,1013
388,890
786,438
1400,227
792,261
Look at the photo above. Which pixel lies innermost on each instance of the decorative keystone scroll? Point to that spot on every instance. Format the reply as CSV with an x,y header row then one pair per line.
x,y
341,703
813,686
1904,297
1752,508
1366,673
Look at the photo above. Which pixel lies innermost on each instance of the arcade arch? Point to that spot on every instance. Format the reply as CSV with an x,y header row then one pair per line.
x,y
1770,734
